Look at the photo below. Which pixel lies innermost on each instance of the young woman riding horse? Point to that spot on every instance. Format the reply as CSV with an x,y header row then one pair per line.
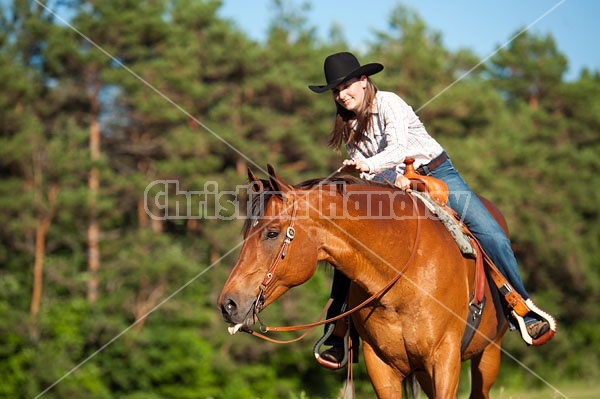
x,y
380,131
409,283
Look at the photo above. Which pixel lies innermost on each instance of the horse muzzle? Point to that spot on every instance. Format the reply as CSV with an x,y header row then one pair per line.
x,y
240,317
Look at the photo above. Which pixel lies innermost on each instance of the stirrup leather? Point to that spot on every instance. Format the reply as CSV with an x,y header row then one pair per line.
x,y
520,307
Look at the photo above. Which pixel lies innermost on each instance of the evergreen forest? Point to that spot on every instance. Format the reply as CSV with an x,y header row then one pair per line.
x,y
100,100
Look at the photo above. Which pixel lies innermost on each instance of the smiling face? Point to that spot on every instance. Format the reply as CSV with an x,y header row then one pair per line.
x,y
351,93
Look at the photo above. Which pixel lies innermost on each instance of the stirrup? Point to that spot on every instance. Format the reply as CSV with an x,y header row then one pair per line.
x,y
547,336
317,350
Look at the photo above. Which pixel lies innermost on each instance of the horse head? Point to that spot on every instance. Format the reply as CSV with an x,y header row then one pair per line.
x,y
273,258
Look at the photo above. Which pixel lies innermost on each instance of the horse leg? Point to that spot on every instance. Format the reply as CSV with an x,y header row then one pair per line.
x,y
445,370
425,383
484,370
386,382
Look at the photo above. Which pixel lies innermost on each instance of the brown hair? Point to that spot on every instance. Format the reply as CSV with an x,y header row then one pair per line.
x,y
343,131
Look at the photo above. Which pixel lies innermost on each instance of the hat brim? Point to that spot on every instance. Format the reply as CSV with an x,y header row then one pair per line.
x,y
367,69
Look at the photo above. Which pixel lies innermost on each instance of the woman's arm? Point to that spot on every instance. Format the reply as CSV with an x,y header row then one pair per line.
x,y
392,117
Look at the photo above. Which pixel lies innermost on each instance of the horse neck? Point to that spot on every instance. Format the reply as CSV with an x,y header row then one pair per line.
x,y
368,248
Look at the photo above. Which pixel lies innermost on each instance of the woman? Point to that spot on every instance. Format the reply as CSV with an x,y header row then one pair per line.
x,y
379,131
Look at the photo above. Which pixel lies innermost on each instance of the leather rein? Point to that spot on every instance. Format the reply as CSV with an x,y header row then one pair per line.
x,y
260,299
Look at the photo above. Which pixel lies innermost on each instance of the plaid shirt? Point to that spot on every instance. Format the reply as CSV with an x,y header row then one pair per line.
x,y
397,133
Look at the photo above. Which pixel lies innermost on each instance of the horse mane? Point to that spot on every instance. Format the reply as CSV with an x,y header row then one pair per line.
x,y
257,208
340,181
260,200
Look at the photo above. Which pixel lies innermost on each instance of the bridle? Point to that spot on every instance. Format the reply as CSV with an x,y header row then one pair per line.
x,y
281,254
290,233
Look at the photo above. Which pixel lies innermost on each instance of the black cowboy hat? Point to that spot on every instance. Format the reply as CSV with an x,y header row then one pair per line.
x,y
344,66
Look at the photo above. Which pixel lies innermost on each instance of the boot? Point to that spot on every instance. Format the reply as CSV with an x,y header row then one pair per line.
x,y
537,328
335,354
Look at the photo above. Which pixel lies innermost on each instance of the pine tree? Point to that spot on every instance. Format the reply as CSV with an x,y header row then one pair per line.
x,y
529,69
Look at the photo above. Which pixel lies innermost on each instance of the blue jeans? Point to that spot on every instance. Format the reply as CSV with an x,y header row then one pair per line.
x,y
481,223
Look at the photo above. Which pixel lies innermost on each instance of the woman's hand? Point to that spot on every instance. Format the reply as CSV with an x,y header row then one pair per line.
x,y
360,166
402,182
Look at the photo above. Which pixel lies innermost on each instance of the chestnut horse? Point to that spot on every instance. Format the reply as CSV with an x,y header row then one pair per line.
x,y
374,234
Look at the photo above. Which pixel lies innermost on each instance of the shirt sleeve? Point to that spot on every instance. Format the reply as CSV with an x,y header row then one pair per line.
x,y
393,114
356,155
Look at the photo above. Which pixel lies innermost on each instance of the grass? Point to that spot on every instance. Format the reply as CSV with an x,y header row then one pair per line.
x,y
561,391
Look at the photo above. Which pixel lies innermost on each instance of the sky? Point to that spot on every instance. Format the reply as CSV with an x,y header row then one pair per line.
x,y
479,25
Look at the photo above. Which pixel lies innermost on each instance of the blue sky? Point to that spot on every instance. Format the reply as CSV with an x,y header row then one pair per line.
x,y
479,25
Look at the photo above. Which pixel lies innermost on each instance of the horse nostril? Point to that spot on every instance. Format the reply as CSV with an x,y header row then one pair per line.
x,y
229,307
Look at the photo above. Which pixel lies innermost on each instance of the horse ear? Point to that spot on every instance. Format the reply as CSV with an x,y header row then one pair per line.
x,y
255,183
277,184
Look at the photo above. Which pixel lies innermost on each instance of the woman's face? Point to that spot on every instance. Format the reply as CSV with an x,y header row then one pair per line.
x,y
351,93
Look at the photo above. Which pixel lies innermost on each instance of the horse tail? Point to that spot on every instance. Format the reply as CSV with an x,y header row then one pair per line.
x,y
410,387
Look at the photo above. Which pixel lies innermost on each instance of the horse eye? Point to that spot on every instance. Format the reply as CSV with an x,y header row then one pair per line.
x,y
272,235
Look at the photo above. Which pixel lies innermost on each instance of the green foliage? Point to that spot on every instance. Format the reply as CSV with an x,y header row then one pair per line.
x,y
530,69
199,103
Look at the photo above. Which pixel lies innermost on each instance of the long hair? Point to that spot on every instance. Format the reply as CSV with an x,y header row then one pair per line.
x,y
349,126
